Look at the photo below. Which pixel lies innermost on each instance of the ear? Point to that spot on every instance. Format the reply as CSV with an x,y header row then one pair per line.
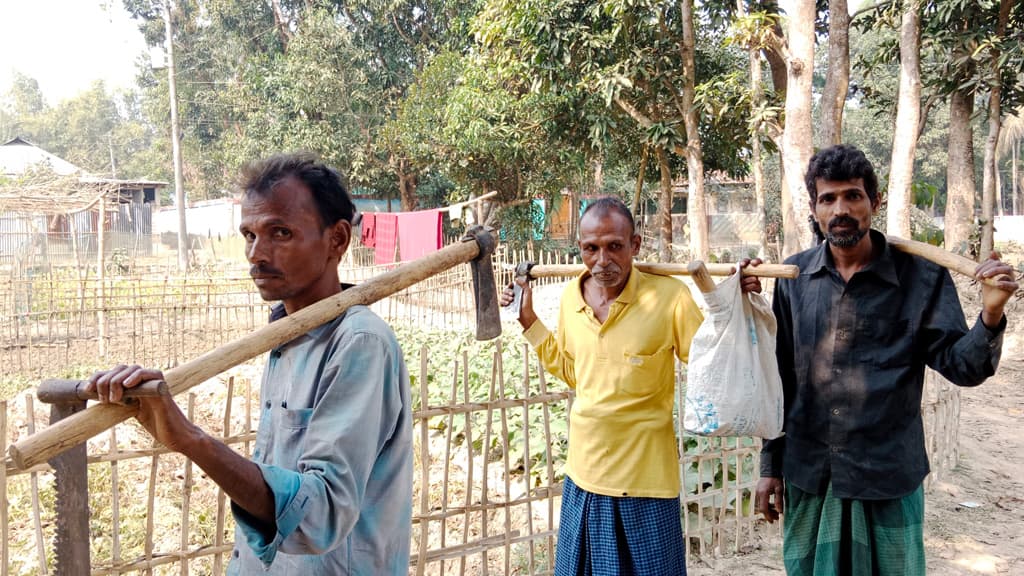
x,y
876,203
339,236
636,244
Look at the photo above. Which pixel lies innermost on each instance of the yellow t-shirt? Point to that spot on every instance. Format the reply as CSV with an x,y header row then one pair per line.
x,y
621,438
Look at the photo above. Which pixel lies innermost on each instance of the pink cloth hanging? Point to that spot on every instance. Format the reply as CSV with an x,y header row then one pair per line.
x,y
368,230
386,236
419,233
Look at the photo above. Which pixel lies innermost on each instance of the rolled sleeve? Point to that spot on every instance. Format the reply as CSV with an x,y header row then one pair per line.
x,y
290,502
536,333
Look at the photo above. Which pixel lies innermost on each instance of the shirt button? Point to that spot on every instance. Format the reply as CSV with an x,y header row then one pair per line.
x,y
835,449
267,404
841,334
835,411
838,372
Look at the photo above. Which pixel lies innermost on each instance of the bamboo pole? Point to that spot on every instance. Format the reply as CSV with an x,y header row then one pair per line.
x,y
672,269
5,534
30,417
78,428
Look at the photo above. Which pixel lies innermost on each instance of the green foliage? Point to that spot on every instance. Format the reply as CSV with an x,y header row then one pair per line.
x,y
599,54
485,382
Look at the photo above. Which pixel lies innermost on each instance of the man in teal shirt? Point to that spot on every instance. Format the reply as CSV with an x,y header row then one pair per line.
x,y
328,491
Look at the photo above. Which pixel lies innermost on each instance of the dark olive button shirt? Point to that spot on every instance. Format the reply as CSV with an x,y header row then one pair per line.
x,y
852,358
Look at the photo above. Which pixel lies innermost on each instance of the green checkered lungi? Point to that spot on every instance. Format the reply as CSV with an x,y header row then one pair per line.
x,y
829,536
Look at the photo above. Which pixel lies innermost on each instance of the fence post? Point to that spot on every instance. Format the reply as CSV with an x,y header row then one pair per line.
x,y
71,476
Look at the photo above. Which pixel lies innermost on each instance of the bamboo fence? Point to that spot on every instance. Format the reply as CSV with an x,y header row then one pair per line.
x,y
489,437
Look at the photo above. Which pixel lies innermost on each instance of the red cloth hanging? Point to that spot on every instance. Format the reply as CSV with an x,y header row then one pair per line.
x,y
368,230
385,239
419,233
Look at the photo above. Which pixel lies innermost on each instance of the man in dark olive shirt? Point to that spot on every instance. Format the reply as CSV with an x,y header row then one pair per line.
x,y
856,330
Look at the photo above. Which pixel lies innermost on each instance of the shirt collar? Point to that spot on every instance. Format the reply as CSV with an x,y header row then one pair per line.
x,y
627,295
883,266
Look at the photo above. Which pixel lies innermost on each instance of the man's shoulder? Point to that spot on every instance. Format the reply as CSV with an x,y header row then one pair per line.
x,y
658,281
361,319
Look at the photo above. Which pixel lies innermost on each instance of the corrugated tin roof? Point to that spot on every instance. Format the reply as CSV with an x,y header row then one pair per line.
x,y
18,155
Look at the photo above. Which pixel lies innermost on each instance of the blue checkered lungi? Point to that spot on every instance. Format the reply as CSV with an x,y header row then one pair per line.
x,y
618,536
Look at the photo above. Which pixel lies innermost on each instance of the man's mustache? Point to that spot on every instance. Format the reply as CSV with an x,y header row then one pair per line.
x,y
260,270
842,221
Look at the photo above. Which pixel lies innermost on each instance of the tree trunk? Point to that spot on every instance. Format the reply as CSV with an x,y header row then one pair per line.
x,y
696,207
797,138
988,180
179,185
960,187
837,82
776,61
639,190
1015,191
908,113
756,171
779,74
407,186
665,208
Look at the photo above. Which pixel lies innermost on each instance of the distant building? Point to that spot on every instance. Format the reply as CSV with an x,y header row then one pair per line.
x,y
58,219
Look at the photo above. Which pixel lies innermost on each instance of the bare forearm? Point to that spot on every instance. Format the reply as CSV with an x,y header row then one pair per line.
x,y
527,318
238,476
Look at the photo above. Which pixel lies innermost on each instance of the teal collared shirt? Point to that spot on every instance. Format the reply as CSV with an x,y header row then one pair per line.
x,y
335,447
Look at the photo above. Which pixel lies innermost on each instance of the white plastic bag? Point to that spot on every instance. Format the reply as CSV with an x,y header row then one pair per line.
x,y
732,381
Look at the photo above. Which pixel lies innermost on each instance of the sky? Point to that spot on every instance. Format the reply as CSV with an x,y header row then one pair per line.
x,y
68,44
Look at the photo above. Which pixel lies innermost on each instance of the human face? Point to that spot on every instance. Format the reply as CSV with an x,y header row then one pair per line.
x,y
843,211
292,257
608,245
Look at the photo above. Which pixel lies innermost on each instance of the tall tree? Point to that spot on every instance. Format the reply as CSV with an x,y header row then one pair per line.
x,y
905,132
837,80
990,163
797,137
624,60
960,187
697,211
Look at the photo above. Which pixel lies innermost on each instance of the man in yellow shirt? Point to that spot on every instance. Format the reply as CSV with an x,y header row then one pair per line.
x,y
619,332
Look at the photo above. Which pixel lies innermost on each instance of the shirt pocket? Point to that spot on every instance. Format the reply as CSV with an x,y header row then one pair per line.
x,y
645,374
290,430
886,342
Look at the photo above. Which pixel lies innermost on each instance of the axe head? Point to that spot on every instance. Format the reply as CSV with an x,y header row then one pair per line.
x,y
485,290
522,272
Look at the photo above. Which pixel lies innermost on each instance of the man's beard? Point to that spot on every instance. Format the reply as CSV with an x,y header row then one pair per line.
x,y
846,239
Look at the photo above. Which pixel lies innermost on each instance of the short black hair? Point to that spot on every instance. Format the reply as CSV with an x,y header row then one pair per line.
x,y
607,204
841,163
332,200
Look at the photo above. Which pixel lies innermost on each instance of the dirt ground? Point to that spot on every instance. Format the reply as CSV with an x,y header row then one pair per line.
x,y
974,517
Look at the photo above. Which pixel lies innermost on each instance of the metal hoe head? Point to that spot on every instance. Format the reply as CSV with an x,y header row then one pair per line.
x,y
485,290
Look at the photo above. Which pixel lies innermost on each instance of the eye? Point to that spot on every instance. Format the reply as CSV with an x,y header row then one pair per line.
x,y
282,233
249,236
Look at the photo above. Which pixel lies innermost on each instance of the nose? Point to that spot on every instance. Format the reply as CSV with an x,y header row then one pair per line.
x,y
841,207
255,251
603,257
